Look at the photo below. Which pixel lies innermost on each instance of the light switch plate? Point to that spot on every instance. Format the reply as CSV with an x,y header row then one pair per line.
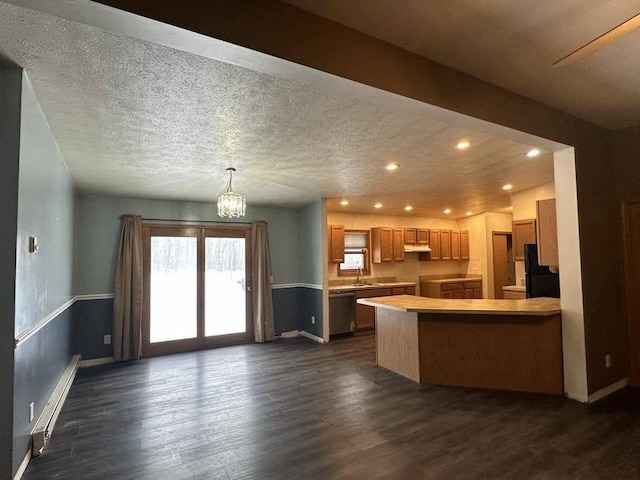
x,y
107,339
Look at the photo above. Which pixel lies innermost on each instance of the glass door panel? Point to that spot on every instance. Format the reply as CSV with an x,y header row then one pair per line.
x,y
225,286
173,289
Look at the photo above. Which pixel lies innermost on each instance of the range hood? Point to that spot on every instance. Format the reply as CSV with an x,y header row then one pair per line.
x,y
417,248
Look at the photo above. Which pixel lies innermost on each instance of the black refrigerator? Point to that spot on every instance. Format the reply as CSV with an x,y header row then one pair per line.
x,y
540,281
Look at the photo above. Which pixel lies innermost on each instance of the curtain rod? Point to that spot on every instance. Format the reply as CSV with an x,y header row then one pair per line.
x,y
213,222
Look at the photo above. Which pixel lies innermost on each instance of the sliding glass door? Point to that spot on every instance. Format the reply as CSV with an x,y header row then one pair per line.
x,y
197,287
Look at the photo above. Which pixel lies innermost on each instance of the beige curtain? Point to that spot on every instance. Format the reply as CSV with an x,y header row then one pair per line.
x,y
127,301
261,291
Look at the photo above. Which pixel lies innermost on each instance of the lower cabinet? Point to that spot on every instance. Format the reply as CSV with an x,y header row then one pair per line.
x,y
366,315
461,289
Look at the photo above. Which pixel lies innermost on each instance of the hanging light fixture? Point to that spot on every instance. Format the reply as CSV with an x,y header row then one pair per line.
x,y
231,204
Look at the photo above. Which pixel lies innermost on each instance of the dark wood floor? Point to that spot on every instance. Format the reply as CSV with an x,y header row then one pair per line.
x,y
294,409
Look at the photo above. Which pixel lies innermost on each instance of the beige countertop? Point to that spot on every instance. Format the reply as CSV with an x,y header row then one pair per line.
x,y
470,278
410,303
515,288
352,288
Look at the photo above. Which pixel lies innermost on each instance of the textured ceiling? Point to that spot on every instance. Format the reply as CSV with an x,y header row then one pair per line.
x,y
138,119
514,44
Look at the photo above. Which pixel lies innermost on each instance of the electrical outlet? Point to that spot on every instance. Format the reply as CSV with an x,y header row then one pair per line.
x,y
31,411
313,320
607,360
107,339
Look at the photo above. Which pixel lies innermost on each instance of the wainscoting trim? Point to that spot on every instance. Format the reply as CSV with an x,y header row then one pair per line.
x,y
606,391
278,286
94,296
30,332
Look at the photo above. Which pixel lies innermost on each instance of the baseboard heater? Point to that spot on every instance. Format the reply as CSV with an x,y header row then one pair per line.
x,y
47,420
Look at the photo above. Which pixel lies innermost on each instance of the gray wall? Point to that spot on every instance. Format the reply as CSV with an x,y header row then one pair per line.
x,y
310,267
10,99
98,229
96,241
43,279
45,210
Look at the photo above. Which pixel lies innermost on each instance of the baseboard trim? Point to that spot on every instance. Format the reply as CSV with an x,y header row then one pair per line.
x,y
311,336
290,334
94,362
606,391
23,466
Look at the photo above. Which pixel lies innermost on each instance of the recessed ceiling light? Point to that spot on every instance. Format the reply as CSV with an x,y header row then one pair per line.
x,y
463,144
534,152
408,208
378,205
344,203
468,214
508,186
392,166
447,211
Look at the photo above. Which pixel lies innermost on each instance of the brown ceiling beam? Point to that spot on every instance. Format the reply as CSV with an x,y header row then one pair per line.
x,y
281,30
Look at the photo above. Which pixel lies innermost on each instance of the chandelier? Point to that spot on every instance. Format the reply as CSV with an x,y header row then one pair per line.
x,y
231,204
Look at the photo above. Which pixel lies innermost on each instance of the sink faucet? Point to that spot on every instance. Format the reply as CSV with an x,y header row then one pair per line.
x,y
358,275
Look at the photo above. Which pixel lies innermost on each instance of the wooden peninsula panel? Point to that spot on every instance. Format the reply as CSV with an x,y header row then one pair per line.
x,y
397,346
497,344
504,353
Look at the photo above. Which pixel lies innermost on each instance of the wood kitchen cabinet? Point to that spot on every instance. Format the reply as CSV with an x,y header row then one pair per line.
x,y
458,288
546,229
336,243
381,245
524,231
365,318
398,245
423,236
455,245
387,245
416,236
445,244
464,244
434,245
410,236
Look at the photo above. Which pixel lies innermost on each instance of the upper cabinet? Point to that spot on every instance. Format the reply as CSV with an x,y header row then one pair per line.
x,y
445,245
524,231
547,232
416,236
398,245
434,244
382,245
336,243
455,245
464,244
410,236
423,236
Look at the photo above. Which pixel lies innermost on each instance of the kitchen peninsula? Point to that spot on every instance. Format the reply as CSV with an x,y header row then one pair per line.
x,y
497,344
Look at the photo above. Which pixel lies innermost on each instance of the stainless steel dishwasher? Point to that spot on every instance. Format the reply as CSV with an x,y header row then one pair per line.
x,y
342,312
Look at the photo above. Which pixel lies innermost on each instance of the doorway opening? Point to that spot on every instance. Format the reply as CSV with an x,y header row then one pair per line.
x,y
504,267
196,284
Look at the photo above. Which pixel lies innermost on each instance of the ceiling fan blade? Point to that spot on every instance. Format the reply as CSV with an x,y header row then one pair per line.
x,y
603,40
